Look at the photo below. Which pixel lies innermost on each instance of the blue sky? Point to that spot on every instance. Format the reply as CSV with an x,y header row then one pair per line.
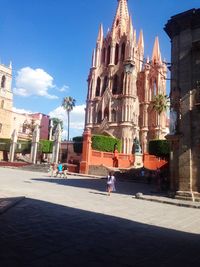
x,y
50,42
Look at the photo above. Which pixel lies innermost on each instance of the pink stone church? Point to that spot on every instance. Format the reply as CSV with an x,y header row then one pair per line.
x,y
122,85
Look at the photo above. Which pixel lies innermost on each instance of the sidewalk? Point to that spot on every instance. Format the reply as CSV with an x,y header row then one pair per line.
x,y
151,196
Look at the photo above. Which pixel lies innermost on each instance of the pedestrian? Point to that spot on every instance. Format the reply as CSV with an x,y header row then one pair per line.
x,y
111,183
65,169
60,169
53,168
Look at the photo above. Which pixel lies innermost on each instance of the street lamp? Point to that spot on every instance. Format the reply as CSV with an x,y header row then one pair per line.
x,y
129,66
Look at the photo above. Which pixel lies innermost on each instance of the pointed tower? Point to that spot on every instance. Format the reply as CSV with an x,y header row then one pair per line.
x,y
158,72
141,49
121,20
156,55
118,83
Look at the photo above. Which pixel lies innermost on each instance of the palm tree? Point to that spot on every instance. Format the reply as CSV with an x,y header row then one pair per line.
x,y
68,104
160,104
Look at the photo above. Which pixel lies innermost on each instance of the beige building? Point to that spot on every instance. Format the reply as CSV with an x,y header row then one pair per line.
x,y
6,101
122,85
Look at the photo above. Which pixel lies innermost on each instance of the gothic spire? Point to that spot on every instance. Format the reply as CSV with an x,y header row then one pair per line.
x,y
100,34
121,20
141,41
156,55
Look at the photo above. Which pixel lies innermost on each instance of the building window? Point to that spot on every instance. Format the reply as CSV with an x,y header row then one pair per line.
x,y
2,104
116,54
105,84
106,113
108,56
103,55
3,81
1,127
123,48
121,83
99,116
115,85
154,88
98,87
114,115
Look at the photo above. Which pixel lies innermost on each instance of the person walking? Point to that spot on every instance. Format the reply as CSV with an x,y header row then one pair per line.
x,y
111,183
60,169
53,168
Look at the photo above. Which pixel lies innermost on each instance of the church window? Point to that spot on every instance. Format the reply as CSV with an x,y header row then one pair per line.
x,y
103,55
115,85
3,81
105,84
108,55
117,22
121,83
1,127
123,52
99,117
116,54
2,103
154,88
106,113
114,115
91,87
98,87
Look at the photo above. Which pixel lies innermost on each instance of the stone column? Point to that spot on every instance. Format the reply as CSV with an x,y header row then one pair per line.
x,y
35,142
84,165
13,145
56,144
50,130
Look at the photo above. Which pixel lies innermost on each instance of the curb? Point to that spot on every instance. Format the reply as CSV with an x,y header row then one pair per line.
x,y
7,203
185,205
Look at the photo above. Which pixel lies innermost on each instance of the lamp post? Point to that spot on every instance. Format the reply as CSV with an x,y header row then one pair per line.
x,y
129,66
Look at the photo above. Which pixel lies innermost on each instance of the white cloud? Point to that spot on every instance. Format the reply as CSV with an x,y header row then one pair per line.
x,y
21,110
77,119
64,88
34,82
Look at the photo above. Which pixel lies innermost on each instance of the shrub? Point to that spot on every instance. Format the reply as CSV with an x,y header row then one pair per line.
x,y
105,143
4,144
46,146
23,147
78,144
159,148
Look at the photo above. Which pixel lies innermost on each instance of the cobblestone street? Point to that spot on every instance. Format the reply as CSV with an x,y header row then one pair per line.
x,y
72,222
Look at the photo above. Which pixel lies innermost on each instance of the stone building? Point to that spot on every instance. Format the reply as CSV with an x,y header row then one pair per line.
x,y
184,32
122,85
6,101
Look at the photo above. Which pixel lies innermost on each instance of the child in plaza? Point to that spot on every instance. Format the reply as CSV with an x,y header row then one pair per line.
x,y
53,169
111,183
65,169
59,169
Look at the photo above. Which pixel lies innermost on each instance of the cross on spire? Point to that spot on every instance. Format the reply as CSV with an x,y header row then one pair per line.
x,y
121,20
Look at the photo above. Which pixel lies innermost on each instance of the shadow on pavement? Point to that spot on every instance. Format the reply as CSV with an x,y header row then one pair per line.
x,y
37,233
129,188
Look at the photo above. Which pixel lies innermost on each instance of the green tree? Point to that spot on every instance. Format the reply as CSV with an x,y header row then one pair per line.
x,y
55,122
68,104
160,103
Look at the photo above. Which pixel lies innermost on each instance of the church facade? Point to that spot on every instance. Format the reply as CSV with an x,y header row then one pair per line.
x,y
122,85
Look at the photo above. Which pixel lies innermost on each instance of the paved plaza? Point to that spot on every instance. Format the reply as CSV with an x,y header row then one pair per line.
x,y
72,222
